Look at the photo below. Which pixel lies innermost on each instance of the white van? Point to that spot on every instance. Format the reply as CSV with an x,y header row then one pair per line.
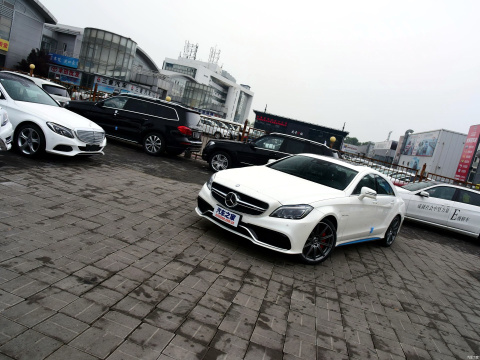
x,y
56,91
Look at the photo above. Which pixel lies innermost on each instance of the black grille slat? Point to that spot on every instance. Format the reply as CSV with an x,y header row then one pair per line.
x,y
249,204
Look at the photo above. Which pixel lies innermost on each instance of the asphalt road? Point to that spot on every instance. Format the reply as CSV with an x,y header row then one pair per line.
x,y
194,170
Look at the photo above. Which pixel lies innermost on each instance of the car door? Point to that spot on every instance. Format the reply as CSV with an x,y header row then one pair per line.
x,y
262,150
132,119
360,216
386,200
465,215
103,113
436,208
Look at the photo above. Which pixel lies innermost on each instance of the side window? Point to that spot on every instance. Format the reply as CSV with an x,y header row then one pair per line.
x,y
442,192
383,187
469,197
368,181
138,106
115,103
270,143
292,146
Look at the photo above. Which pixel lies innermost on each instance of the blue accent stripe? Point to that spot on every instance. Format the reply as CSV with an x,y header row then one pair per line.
x,y
359,241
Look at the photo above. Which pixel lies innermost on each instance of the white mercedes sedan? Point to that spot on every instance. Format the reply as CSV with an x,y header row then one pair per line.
x,y
446,206
304,204
41,125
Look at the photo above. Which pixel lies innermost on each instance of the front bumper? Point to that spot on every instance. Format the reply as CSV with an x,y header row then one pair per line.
x,y
61,145
6,135
282,235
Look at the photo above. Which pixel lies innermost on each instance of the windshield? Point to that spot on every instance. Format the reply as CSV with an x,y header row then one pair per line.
x,y
24,90
317,170
419,185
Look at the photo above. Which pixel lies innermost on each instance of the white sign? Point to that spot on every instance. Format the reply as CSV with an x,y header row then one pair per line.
x,y
350,148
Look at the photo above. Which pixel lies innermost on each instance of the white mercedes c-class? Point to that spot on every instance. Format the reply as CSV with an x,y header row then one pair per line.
x,y
304,204
40,124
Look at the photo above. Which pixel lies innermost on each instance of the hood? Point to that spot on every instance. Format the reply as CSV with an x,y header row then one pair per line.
x,y
58,115
261,182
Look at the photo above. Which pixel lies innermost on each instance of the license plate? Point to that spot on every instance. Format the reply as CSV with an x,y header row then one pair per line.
x,y
226,216
90,147
196,135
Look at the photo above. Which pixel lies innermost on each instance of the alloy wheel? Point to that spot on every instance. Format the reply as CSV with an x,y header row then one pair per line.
x,y
320,243
29,141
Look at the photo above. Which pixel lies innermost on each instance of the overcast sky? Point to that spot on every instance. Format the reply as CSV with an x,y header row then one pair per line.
x,y
375,66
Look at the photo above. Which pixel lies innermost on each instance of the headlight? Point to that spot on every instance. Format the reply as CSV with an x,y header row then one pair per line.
x,y
292,212
4,118
60,130
210,182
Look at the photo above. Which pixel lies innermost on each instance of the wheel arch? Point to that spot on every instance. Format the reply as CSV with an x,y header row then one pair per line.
x,y
27,122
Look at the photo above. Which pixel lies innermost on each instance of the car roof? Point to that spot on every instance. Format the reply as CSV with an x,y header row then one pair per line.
x,y
150,98
359,168
295,138
33,79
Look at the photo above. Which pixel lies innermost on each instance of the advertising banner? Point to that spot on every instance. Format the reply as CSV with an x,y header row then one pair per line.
x,y
64,60
68,76
353,149
110,85
4,44
468,153
421,144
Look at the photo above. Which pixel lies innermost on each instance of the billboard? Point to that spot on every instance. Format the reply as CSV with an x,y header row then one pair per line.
x,y
353,149
110,85
66,75
63,60
421,144
468,153
4,44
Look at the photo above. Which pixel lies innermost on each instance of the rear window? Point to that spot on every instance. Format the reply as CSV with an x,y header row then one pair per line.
x,y
55,90
149,108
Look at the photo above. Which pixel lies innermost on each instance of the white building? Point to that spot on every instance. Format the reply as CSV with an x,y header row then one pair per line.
x,y
440,150
209,88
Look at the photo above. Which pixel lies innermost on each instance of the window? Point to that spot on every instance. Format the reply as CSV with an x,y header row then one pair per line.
x,y
367,181
442,192
295,146
468,197
270,143
383,187
115,103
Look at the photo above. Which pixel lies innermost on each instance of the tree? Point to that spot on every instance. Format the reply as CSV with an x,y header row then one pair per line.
x,y
37,57
351,141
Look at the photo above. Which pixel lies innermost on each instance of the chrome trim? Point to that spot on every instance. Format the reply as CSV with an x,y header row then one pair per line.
x,y
239,202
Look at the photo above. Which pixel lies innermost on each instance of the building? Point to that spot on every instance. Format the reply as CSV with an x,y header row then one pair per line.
x,y
207,87
439,150
384,150
21,25
275,123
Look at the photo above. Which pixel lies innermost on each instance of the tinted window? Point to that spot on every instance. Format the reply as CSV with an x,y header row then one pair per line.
x,y
270,143
115,102
469,197
149,108
295,146
383,187
55,90
25,90
442,192
320,150
367,181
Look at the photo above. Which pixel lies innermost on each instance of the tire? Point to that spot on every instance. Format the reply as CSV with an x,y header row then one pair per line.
x,y
220,161
29,140
391,232
320,243
154,144
217,135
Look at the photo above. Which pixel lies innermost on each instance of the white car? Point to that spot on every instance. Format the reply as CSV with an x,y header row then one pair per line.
x,y
443,205
210,127
6,131
304,204
56,91
40,124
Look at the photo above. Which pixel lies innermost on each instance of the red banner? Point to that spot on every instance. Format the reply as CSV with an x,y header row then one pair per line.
x,y
468,153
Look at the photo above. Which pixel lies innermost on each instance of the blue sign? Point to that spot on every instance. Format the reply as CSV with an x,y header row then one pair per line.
x,y
63,60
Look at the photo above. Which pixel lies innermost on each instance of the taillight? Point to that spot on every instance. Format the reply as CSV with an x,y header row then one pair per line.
x,y
185,130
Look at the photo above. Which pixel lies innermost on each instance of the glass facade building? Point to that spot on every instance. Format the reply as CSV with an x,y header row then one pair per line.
x,y
106,53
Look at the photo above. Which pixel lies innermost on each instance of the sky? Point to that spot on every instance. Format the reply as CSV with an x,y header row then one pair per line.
x,y
370,67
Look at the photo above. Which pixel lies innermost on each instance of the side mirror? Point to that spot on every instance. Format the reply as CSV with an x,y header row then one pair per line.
x,y
367,192
423,194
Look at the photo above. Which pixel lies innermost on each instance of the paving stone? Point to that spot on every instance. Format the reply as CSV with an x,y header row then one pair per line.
x,y
148,336
30,345
9,329
103,296
53,298
23,286
84,310
121,284
182,348
133,307
130,350
27,313
67,352
97,342
230,344
164,320
196,331
239,321
116,323
61,327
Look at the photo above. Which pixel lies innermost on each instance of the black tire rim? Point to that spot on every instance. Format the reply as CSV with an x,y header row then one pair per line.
x,y
392,231
153,144
320,243
219,162
29,141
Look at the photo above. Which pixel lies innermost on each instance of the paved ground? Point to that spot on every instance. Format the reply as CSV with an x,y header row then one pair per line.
x,y
104,258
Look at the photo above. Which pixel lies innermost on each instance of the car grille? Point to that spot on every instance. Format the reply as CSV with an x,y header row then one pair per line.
x,y
246,204
90,137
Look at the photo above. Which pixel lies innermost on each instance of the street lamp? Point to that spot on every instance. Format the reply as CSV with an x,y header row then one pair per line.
x,y
32,67
332,141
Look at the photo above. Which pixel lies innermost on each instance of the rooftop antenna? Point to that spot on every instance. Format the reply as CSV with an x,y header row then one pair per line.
x,y
190,51
214,55
388,137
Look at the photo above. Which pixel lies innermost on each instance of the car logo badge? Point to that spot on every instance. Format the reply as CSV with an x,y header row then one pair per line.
x,y
231,200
